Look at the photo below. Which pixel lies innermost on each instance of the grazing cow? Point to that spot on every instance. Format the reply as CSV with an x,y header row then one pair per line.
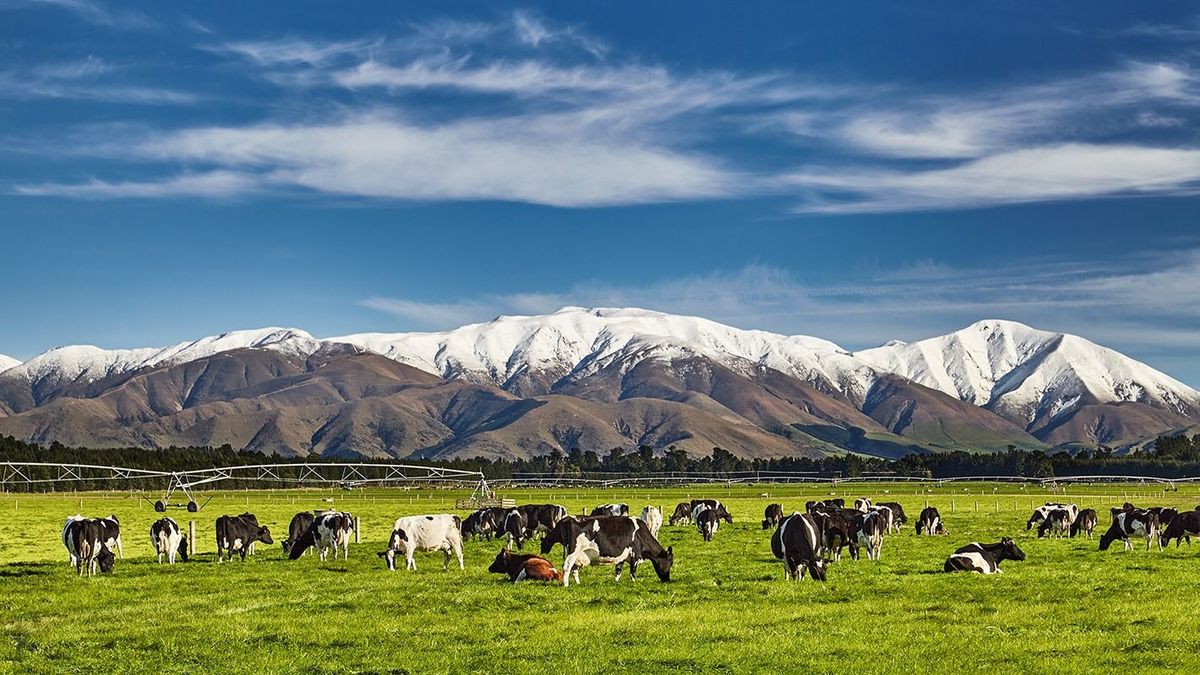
x,y
1165,515
234,534
514,528
652,517
253,520
166,538
611,510
85,539
533,519
524,567
1084,523
1040,513
329,530
683,514
898,517
772,516
849,527
1131,521
983,558
484,523
706,521
868,532
834,528
425,533
797,542
810,506
930,522
613,540
1057,523
1181,526
301,522
714,504
862,504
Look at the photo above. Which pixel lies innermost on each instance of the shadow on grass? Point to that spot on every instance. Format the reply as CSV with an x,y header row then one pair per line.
x,y
24,570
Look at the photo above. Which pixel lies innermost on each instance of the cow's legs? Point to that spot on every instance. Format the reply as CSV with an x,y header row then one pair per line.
x,y
445,559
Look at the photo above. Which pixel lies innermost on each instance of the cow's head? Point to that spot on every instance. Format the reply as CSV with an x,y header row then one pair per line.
x,y
500,564
398,539
264,535
566,530
183,548
816,568
105,559
1010,551
662,562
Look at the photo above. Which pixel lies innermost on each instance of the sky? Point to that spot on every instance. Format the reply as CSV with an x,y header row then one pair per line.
x,y
855,171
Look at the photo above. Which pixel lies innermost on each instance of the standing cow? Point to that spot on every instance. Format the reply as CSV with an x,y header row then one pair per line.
x,y
1056,524
167,540
331,530
1181,527
611,510
300,524
1040,513
683,514
425,533
652,517
1126,522
797,542
613,541
930,522
898,517
86,541
236,533
707,521
772,516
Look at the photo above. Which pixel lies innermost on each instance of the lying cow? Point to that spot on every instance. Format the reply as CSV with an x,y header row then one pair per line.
x,y
236,533
1181,527
652,517
1040,513
167,540
330,530
611,510
612,540
301,522
983,558
707,521
1056,524
772,516
86,541
524,567
1126,522
797,542
930,522
425,533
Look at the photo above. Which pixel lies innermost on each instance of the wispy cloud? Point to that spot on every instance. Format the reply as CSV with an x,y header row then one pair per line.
x,y
84,79
92,12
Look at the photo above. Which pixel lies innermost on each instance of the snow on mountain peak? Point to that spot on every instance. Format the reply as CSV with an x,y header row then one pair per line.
x,y
7,362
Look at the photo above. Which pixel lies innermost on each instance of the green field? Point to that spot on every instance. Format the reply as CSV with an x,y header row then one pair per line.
x,y
1068,608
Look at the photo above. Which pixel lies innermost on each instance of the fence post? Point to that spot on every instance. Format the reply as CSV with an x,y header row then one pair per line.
x,y
951,506
976,505
191,537
356,532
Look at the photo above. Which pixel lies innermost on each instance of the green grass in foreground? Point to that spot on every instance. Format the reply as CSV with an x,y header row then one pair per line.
x,y
1069,608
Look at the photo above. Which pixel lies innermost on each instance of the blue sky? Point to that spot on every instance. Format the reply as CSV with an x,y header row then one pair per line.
x,y
862,172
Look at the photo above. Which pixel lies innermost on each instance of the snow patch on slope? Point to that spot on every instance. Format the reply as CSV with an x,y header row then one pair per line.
x,y
7,362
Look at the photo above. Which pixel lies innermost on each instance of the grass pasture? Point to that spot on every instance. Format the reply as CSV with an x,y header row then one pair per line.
x,y
1068,608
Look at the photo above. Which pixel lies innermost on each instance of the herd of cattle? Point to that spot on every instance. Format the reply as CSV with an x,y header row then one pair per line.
x,y
806,542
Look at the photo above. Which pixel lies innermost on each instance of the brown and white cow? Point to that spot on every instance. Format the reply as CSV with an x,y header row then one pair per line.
x,y
524,567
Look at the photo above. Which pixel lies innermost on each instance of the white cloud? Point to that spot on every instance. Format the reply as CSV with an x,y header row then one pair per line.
x,y
211,184
92,12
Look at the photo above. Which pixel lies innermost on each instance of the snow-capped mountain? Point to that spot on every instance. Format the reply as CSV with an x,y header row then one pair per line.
x,y
601,374
7,362
1025,374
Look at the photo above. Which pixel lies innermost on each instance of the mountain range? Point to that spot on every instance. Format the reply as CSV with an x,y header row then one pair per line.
x,y
594,379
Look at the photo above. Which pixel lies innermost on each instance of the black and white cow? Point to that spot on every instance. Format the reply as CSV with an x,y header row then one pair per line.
x,y
885,514
484,523
1126,522
301,522
534,518
612,540
1040,513
849,527
652,517
1181,527
329,530
715,504
1085,523
797,542
898,517
67,529
611,510
862,504
235,533
983,558
514,527
86,541
253,520
167,540
1057,523
707,521
811,506
439,532
930,522
1165,515
772,516
868,532
682,514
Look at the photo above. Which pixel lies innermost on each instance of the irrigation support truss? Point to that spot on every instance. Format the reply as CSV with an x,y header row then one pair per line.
x,y
344,474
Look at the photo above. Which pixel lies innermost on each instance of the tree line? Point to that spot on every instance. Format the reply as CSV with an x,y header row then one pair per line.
x,y
1175,456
